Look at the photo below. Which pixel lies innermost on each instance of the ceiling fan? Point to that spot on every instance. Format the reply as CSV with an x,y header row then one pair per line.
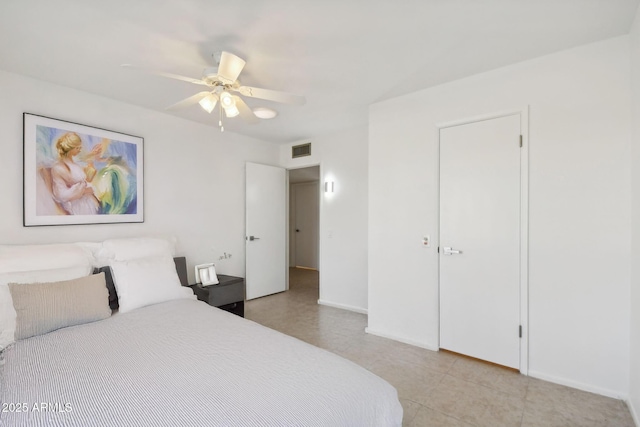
x,y
223,86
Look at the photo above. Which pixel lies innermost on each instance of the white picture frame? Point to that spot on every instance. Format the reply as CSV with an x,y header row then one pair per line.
x,y
103,156
206,274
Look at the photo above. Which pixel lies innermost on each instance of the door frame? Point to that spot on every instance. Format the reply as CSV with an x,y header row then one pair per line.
x,y
523,112
320,210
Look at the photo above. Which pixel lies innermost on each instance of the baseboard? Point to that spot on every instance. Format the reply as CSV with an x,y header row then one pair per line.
x,y
578,385
400,339
634,414
343,306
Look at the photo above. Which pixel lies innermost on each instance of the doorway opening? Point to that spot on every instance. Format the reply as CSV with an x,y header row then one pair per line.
x,y
304,229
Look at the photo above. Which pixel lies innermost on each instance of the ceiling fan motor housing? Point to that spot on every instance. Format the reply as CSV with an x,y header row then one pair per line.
x,y
210,75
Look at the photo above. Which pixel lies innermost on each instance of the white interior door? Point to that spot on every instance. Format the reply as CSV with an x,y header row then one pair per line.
x,y
306,224
480,240
265,242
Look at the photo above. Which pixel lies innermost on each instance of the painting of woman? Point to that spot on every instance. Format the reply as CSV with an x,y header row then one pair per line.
x,y
71,183
75,174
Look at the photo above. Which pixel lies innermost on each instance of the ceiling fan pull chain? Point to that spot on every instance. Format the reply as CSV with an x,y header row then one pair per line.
x,y
220,121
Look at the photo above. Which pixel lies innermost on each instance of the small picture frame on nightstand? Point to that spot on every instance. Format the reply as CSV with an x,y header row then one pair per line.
x,y
206,274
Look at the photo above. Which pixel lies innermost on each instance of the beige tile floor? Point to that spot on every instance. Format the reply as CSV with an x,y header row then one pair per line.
x,y
435,388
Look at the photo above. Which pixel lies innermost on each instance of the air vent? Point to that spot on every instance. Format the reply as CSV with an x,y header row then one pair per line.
x,y
301,150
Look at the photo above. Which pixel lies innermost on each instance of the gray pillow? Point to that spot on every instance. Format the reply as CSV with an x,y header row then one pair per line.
x,y
45,307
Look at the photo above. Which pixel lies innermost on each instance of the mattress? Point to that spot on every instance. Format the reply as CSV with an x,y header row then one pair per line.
x,y
184,363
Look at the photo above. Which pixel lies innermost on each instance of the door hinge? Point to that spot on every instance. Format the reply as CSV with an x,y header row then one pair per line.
x,y
520,140
520,331
438,249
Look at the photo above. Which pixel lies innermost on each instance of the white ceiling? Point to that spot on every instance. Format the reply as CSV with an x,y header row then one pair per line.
x,y
341,54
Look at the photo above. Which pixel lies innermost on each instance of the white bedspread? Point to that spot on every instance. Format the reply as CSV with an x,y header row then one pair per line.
x,y
184,363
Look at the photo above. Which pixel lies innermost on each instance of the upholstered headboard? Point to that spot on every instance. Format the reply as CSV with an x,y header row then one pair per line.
x,y
181,269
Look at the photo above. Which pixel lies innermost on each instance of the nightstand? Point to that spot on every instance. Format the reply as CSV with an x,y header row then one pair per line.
x,y
227,295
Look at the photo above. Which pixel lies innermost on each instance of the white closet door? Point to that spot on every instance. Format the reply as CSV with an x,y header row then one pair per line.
x,y
480,240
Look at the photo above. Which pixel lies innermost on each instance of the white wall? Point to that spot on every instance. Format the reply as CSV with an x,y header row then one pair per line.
x,y
579,211
194,176
343,215
634,393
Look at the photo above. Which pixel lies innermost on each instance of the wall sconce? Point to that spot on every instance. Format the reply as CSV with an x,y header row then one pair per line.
x,y
328,186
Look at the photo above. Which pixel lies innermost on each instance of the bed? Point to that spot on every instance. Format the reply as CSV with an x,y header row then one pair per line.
x,y
181,362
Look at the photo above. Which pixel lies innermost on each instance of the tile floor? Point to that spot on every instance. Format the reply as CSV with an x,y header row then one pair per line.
x,y
435,388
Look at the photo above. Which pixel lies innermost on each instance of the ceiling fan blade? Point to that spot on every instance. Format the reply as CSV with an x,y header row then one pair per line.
x,y
272,95
245,111
230,67
193,99
163,74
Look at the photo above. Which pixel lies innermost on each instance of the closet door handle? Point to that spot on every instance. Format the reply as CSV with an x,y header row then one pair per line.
x,y
450,251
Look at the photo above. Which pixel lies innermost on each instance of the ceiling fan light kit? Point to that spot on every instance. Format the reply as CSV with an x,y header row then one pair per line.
x,y
222,81
208,103
231,111
226,99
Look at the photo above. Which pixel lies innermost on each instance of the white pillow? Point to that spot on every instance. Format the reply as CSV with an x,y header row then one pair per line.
x,y
43,257
8,313
146,281
93,248
135,248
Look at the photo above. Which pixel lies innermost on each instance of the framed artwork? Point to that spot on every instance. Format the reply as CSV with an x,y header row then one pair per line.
x,y
77,174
